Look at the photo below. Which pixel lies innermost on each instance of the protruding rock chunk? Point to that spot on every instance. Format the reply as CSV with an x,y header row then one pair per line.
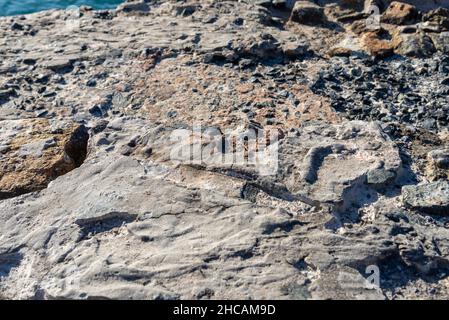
x,y
432,198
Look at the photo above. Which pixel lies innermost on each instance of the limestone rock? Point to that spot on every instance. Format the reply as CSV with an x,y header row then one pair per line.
x,y
400,13
429,5
419,4
439,158
134,6
31,158
340,52
306,12
375,45
345,284
318,151
371,4
379,177
430,198
295,50
441,41
438,164
438,18
62,64
414,45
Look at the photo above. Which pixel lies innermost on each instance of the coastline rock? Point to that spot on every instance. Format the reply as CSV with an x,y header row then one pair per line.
x,y
308,13
414,45
432,198
32,154
439,18
400,13
423,6
352,150
375,45
134,6
441,41
380,177
438,164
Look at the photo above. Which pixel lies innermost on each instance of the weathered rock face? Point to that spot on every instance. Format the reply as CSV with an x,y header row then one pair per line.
x,y
33,153
423,5
415,45
441,41
438,19
238,150
427,5
307,12
376,46
432,198
438,164
328,163
400,14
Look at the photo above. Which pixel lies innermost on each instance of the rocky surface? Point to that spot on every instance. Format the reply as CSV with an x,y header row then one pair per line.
x,y
317,151
34,152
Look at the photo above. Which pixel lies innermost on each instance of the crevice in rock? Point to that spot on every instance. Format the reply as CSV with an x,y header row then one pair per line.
x,y
243,254
92,226
301,265
76,147
286,226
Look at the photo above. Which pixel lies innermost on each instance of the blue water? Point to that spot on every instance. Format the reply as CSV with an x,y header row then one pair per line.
x,y
14,7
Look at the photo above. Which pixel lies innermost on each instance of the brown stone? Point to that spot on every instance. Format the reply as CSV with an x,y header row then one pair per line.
x,y
438,18
245,88
339,52
38,155
308,13
375,45
359,27
413,45
400,13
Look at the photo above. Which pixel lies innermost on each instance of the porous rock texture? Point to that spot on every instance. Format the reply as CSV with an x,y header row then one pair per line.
x,y
95,203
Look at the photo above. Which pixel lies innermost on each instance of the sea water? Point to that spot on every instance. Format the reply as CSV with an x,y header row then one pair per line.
x,y
15,7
